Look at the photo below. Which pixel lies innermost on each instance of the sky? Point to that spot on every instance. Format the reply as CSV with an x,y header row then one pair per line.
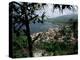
x,y
50,14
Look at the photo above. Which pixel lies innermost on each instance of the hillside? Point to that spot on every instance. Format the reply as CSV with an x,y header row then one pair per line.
x,y
64,18
53,42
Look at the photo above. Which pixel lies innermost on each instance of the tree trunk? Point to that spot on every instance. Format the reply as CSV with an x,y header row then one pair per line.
x,y
29,39
28,36
25,6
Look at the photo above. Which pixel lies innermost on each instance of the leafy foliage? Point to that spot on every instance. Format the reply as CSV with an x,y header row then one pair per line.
x,y
21,15
19,46
66,47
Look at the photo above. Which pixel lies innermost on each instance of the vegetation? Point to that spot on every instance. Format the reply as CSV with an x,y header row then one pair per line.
x,y
51,48
21,15
67,47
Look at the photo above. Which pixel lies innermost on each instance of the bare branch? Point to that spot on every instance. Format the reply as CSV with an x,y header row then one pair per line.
x,y
33,18
36,38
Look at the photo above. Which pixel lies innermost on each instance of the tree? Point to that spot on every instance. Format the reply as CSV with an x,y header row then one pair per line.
x,y
21,14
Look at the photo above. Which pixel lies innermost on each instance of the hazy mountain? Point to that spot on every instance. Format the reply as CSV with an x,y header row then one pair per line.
x,y
52,23
64,18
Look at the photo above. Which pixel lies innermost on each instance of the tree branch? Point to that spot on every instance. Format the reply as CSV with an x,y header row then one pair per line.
x,y
33,18
36,38
16,3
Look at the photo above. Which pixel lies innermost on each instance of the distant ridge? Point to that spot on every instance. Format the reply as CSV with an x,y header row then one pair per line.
x,y
64,18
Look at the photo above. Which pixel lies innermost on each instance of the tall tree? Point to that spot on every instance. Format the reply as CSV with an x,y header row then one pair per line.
x,y
20,14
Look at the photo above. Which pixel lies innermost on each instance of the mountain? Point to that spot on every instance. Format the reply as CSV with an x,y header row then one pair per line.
x,y
64,18
52,23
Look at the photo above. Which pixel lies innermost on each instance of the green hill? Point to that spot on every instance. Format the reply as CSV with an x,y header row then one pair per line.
x,y
63,19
